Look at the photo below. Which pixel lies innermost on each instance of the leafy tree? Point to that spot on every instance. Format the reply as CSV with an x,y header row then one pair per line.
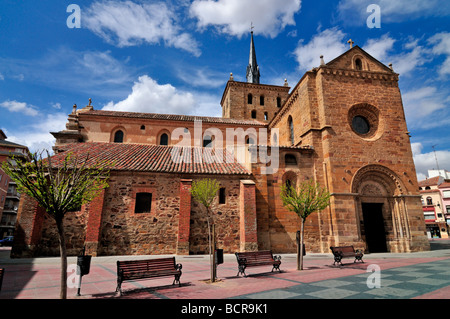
x,y
204,191
59,188
308,198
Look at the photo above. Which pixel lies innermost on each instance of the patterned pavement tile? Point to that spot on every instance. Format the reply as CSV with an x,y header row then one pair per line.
x,y
332,293
331,283
428,281
274,294
391,292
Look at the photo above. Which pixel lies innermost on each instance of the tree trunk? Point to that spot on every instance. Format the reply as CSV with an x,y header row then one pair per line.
x,y
63,253
301,244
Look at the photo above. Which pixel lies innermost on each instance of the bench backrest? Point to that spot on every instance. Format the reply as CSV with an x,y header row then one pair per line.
x,y
159,264
254,256
343,249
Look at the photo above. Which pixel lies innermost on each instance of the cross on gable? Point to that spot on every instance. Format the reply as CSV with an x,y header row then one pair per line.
x,y
351,43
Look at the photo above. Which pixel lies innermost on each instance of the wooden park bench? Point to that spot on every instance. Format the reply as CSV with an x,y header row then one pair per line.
x,y
346,252
255,259
131,270
2,272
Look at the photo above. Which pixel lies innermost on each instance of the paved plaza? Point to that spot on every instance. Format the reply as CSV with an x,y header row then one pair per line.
x,y
423,275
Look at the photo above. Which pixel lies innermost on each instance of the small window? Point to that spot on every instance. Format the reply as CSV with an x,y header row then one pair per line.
x,y
250,99
291,130
118,137
427,187
143,203
164,139
207,141
290,159
261,100
222,196
142,127
266,116
278,101
429,201
253,114
358,64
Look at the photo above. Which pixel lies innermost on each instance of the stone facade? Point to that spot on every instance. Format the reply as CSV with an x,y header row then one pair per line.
x,y
342,125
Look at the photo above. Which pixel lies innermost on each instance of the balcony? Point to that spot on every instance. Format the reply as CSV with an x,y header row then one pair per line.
x,y
13,195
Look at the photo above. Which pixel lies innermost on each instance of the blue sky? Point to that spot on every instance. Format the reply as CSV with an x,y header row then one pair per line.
x,y
176,56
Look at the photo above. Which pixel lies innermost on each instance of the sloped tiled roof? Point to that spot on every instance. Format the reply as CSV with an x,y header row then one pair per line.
x,y
152,158
433,181
172,117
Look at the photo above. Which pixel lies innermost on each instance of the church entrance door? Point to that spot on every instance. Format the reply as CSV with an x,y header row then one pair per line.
x,y
374,227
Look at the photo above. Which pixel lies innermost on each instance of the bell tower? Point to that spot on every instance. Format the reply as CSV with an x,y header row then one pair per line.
x,y
252,68
251,100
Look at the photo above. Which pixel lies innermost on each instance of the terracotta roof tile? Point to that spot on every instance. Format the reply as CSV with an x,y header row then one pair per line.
x,y
172,117
153,158
429,182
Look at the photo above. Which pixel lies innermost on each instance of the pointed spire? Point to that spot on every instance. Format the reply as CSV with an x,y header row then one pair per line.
x,y
252,68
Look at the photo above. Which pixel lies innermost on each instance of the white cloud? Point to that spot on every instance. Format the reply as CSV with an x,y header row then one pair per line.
x,y
441,42
425,107
199,77
355,11
379,48
37,136
427,161
125,23
89,72
412,55
19,107
148,96
233,17
329,43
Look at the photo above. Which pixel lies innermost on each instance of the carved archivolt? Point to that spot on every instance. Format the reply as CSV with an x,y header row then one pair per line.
x,y
377,179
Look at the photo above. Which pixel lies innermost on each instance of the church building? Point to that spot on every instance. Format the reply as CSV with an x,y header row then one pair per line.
x,y
342,125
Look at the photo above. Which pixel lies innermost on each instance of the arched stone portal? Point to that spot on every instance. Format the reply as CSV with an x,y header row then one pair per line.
x,y
381,209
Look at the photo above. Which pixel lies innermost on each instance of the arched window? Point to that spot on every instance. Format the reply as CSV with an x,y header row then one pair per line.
x,y
249,141
278,101
207,141
358,64
261,100
118,137
164,139
266,116
275,139
290,159
249,99
291,130
429,201
253,114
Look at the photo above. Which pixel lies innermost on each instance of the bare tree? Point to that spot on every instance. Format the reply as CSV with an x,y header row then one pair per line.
x,y
59,188
308,198
204,191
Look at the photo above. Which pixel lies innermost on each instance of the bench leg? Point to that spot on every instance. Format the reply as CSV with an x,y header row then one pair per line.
x,y
358,258
241,270
337,259
119,288
177,280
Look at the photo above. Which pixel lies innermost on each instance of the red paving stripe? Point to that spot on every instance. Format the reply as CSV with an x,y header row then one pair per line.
x,y
443,293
